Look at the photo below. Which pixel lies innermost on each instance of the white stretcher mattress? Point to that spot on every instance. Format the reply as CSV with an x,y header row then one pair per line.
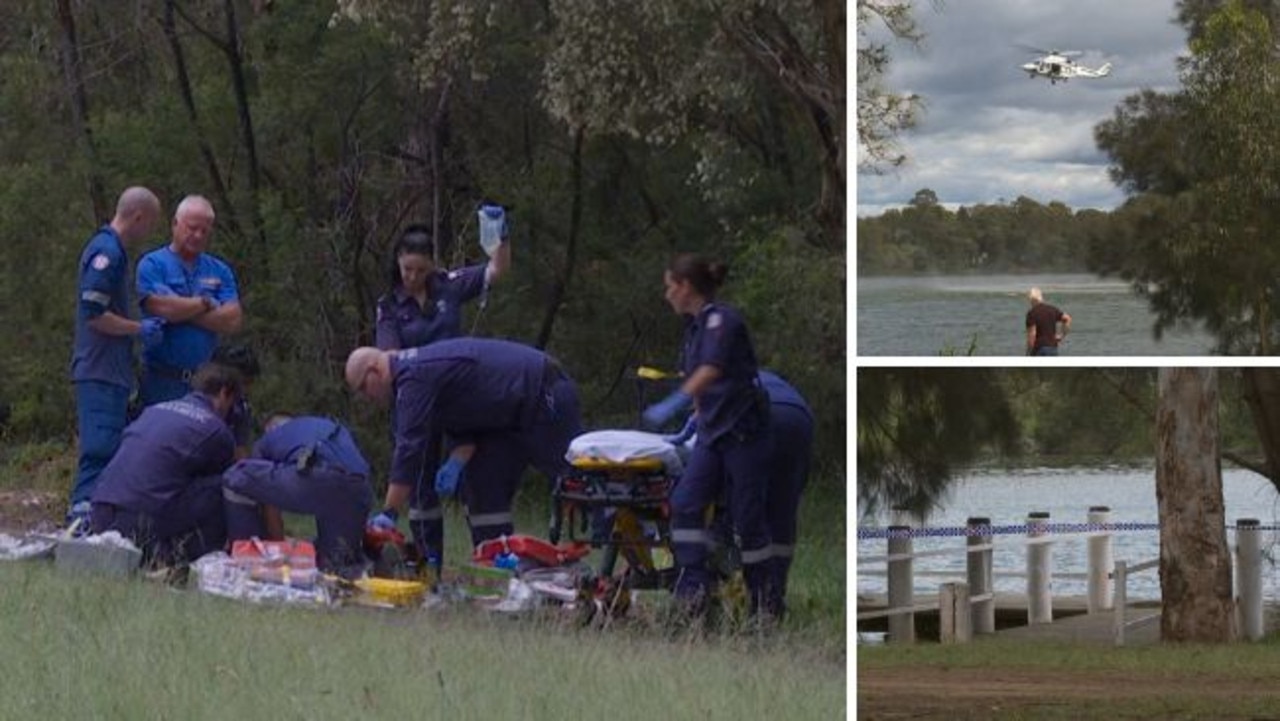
x,y
625,445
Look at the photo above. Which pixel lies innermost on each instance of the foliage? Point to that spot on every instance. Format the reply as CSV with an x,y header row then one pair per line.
x,y
926,237
1196,236
917,427
882,113
318,138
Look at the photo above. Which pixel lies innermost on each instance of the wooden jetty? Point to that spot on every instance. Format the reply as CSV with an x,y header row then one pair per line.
x,y
1072,623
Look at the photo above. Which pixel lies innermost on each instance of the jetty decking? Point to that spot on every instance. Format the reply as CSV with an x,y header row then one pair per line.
x,y
1071,622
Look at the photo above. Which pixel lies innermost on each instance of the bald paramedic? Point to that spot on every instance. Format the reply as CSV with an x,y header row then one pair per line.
x,y
509,406
102,355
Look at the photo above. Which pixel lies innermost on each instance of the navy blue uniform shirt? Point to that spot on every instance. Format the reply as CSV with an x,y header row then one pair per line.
x,y
103,286
783,393
163,272
333,444
402,323
717,336
460,386
170,445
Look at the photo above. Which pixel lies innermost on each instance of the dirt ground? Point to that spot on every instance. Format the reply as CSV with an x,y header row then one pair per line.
x,y
958,693
26,510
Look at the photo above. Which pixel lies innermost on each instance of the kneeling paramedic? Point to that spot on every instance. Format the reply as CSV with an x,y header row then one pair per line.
x,y
305,465
163,487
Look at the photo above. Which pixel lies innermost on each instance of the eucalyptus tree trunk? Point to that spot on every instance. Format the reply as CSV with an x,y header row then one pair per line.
x,y
73,71
560,286
1195,560
226,209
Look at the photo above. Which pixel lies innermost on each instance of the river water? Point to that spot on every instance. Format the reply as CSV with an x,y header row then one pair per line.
x,y
1007,498
925,316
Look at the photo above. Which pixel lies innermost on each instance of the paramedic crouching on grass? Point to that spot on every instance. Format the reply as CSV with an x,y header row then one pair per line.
x,y
507,405
304,465
163,487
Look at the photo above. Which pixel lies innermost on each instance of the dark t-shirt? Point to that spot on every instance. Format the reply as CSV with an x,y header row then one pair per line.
x,y
1045,318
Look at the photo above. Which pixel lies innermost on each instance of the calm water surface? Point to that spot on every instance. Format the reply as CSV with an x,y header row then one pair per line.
x,y
1007,497
923,316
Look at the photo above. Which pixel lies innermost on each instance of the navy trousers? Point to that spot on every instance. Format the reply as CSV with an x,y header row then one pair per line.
x,y
157,387
743,465
191,525
788,475
101,413
426,518
492,476
340,502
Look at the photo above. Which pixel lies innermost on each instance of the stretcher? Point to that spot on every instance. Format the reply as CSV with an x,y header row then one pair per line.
x,y
616,496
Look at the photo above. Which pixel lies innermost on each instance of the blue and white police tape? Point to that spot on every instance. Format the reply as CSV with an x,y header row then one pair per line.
x,y
865,533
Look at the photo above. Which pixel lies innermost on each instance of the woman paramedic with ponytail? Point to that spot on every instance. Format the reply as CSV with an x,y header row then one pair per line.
x,y
734,436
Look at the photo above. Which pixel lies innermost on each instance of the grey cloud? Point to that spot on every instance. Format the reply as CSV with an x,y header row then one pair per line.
x,y
988,131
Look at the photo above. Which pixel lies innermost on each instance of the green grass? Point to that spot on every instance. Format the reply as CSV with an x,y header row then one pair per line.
x,y
817,591
79,647
97,648
47,466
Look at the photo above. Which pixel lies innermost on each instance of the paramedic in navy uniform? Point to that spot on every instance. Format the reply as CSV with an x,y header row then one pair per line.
x,y
425,302
102,358
195,293
734,441
792,421
506,404
163,489
307,465
425,306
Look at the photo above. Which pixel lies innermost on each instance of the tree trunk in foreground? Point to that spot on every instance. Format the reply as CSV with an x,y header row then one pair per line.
x,y
1195,560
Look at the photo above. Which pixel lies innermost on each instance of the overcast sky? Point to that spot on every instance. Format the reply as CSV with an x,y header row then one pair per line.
x,y
989,133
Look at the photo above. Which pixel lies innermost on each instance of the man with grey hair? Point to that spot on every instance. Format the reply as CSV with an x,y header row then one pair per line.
x,y
1046,326
195,292
102,354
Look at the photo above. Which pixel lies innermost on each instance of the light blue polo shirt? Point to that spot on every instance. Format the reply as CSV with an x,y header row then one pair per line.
x,y
163,272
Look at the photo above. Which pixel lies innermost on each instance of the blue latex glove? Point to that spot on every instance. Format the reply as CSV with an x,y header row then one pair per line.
x,y
448,476
152,332
685,433
385,520
658,414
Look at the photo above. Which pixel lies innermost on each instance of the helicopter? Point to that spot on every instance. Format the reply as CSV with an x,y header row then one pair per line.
x,y
1057,65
